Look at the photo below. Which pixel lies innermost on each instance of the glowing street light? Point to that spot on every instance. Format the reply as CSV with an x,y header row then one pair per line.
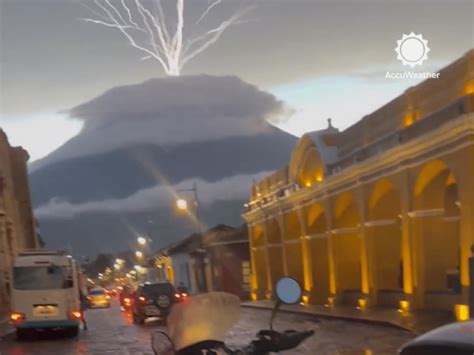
x,y
117,266
182,204
119,261
139,254
141,240
137,267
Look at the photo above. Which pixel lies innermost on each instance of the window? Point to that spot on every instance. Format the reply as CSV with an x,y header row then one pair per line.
x,y
41,278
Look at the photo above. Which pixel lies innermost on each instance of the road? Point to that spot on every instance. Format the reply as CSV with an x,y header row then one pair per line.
x,y
112,332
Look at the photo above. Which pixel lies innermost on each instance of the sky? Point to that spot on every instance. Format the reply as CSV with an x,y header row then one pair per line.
x,y
321,58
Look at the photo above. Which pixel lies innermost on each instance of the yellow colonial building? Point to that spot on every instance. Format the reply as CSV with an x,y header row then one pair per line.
x,y
381,213
17,223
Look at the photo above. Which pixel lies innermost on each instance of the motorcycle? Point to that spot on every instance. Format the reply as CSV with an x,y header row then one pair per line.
x,y
199,325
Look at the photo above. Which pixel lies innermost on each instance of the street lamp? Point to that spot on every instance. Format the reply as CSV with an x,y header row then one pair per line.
x,y
182,204
139,254
141,240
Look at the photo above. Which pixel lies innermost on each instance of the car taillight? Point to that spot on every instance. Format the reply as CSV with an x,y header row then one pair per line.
x,y
17,317
142,299
184,295
127,300
107,296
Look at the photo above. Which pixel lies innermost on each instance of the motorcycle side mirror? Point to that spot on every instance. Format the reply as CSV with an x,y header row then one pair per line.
x,y
288,291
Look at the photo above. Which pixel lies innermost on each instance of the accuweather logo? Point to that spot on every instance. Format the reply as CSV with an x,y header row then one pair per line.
x,y
412,50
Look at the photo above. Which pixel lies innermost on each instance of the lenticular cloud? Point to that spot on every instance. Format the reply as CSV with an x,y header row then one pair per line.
x,y
170,111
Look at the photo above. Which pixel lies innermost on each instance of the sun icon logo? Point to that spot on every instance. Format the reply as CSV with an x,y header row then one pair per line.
x,y
412,49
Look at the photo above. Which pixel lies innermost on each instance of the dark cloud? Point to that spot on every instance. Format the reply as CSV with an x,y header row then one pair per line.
x,y
169,111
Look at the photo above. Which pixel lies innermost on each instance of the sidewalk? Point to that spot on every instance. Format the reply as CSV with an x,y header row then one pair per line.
x,y
417,322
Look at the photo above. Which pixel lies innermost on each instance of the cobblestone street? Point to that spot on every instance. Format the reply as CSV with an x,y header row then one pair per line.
x,y
112,332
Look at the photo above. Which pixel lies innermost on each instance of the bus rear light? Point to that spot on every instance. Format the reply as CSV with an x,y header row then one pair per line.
x,y
127,300
75,315
16,317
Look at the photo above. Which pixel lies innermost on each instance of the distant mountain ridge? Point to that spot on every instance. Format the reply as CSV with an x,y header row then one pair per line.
x,y
121,172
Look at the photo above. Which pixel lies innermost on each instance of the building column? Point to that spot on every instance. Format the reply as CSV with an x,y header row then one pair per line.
x,y
466,199
366,249
269,290
282,223
408,247
333,288
307,260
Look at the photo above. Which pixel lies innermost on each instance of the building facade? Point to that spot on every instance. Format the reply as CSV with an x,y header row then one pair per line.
x,y
17,224
218,260
381,213
228,257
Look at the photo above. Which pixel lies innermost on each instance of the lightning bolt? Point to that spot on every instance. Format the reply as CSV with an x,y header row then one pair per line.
x,y
147,30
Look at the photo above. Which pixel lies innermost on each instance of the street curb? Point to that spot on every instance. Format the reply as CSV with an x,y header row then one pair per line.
x,y
330,316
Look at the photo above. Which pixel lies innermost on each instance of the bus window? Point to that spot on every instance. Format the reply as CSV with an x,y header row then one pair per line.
x,y
40,278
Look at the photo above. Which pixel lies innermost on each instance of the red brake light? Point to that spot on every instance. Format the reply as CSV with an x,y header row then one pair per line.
x,y
127,300
177,295
184,295
142,299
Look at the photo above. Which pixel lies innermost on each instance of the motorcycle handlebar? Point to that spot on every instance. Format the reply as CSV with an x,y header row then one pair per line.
x,y
273,341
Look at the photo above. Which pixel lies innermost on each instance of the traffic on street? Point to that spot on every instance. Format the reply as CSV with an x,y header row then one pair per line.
x,y
111,331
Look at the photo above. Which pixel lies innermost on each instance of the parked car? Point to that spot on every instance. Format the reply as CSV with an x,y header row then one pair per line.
x,y
452,339
154,300
98,297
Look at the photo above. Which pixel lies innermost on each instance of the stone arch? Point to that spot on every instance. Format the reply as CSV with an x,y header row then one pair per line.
x,y
384,238
346,244
315,219
436,229
293,245
346,213
306,166
275,249
318,247
259,280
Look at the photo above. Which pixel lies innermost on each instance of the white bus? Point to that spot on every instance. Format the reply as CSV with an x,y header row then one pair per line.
x,y
45,292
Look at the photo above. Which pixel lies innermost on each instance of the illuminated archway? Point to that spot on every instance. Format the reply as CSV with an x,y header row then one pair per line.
x,y
275,249
316,228
383,234
293,246
259,280
436,229
347,244
306,167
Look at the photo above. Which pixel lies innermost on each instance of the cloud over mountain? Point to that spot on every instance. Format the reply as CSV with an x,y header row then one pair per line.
x,y
232,188
170,111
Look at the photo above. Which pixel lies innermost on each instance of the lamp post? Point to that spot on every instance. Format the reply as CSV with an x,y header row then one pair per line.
x,y
182,204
